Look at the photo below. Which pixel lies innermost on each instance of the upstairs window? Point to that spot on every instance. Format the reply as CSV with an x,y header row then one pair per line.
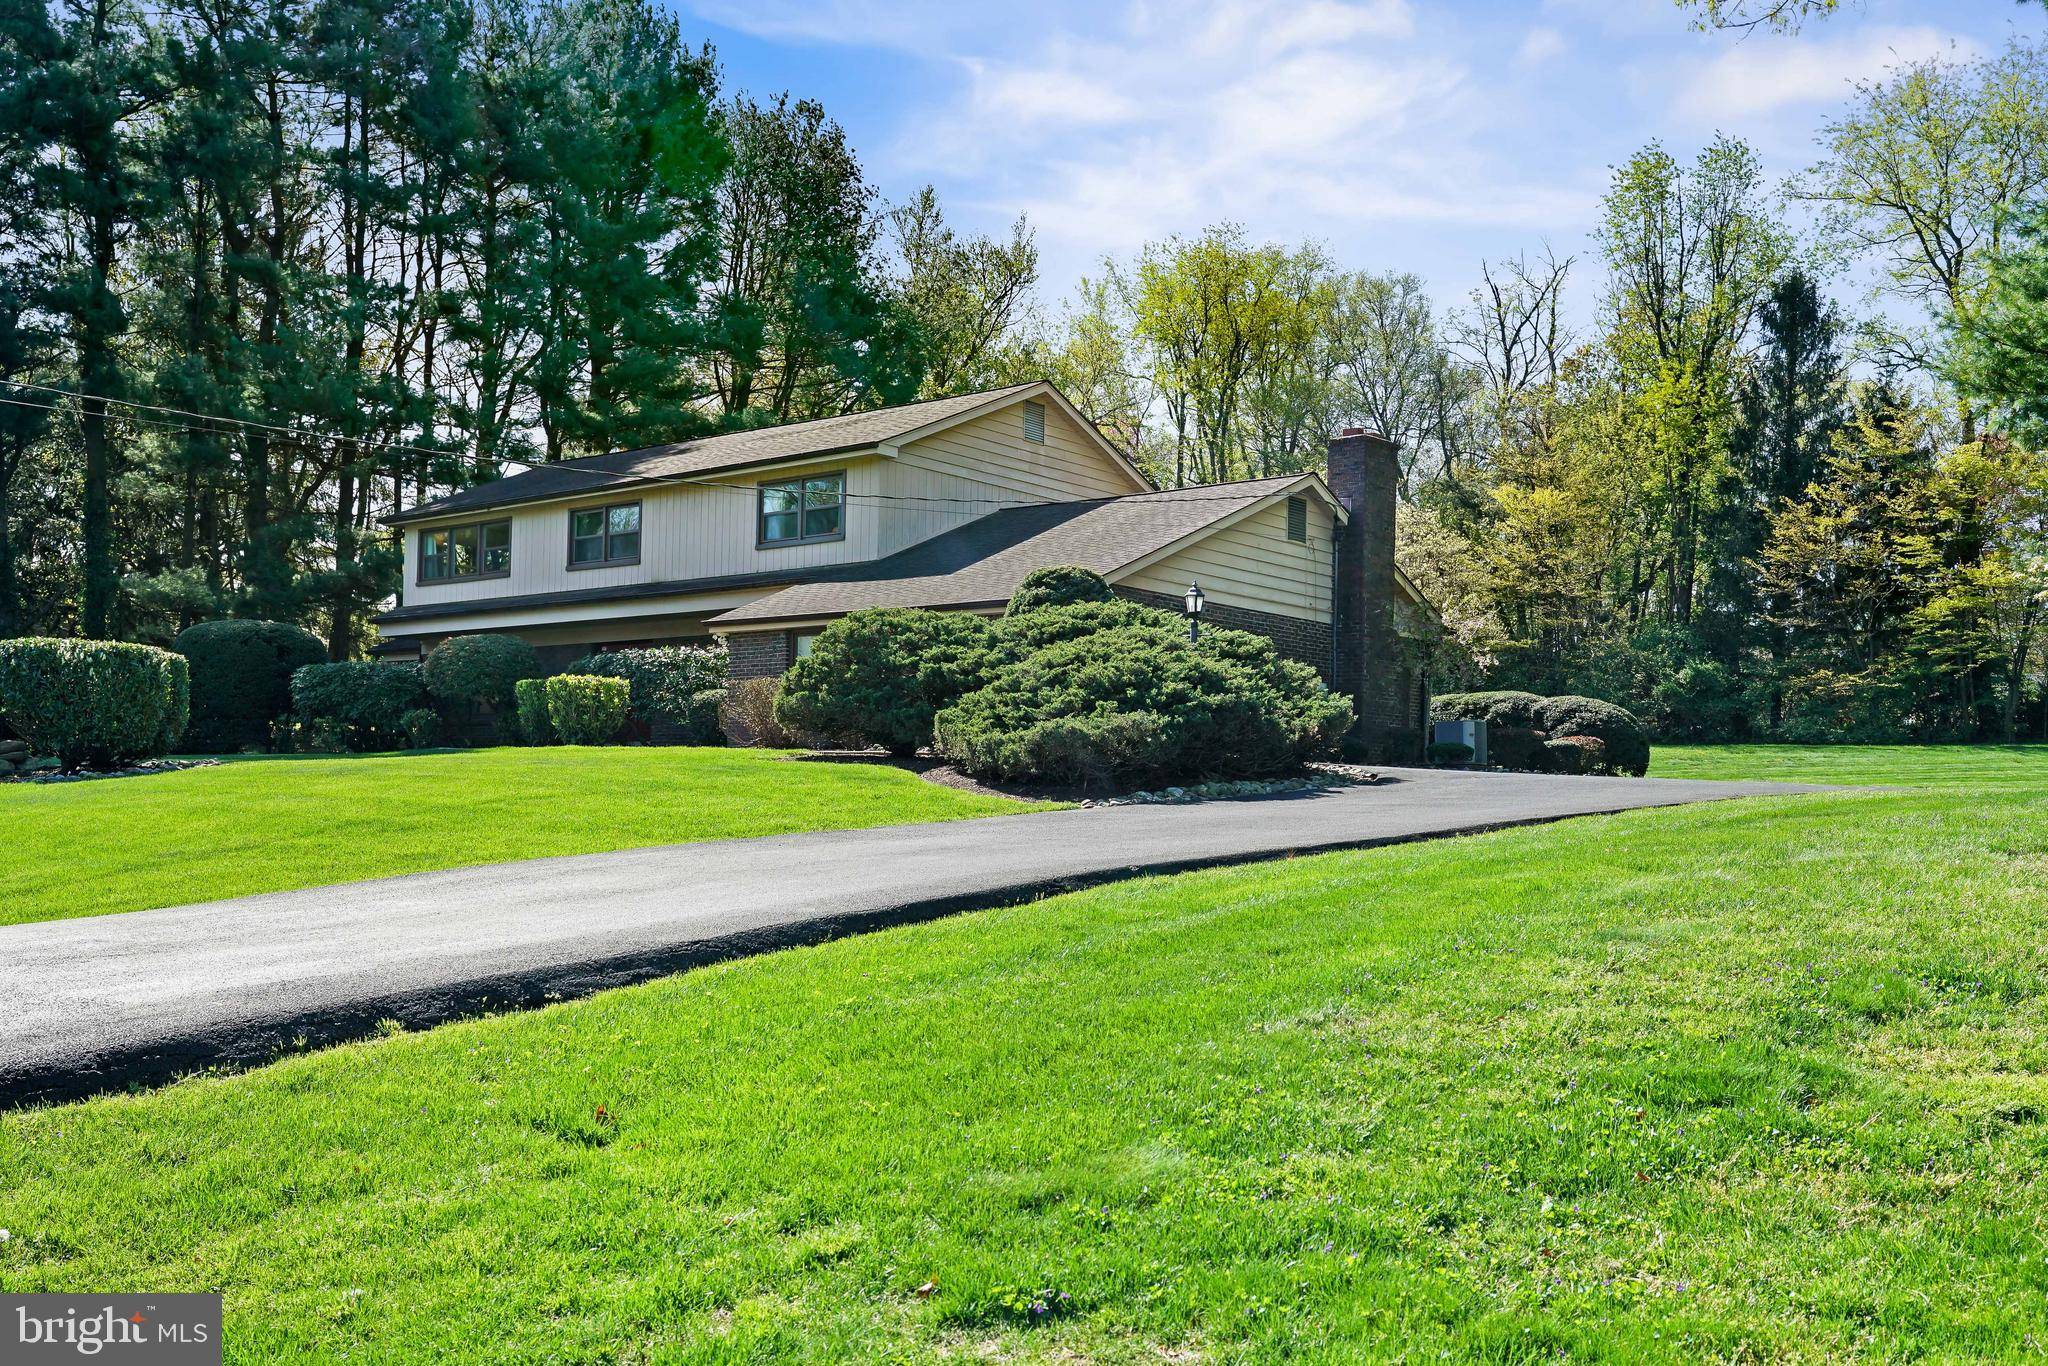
x,y
1297,519
794,511
604,536
480,550
1034,421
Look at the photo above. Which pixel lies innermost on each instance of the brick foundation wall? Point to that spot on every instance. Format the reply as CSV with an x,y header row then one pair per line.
x,y
757,654
1294,637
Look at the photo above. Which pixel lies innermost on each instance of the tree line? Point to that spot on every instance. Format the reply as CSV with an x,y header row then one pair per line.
x,y
271,268
1733,501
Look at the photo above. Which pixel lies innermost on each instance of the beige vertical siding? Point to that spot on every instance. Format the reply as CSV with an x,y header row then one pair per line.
x,y
1251,563
971,470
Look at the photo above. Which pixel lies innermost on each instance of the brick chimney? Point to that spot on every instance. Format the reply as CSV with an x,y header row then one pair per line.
x,y
1365,474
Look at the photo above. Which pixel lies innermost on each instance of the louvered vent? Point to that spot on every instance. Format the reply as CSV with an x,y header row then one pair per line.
x,y
1297,519
1034,422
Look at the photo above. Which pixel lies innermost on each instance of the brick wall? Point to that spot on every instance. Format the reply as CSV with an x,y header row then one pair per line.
x,y
757,654
1365,474
1294,637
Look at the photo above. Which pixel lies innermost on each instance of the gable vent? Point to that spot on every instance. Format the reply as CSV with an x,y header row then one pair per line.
x,y
1034,421
1297,519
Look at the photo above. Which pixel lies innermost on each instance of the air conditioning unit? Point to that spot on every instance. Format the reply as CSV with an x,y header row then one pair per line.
x,y
1471,734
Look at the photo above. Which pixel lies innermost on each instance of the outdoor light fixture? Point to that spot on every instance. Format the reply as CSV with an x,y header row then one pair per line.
x,y
1196,602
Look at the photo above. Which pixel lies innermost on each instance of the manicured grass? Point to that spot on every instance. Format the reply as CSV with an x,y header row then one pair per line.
x,y
1892,765
1759,1080
270,825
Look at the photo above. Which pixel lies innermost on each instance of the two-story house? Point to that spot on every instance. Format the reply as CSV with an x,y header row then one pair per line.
x,y
765,537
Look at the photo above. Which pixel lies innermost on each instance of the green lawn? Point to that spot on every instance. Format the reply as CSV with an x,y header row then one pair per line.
x,y
1975,766
1760,1080
269,825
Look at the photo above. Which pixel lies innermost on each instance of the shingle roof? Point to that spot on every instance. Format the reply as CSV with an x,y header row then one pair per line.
x,y
706,455
982,563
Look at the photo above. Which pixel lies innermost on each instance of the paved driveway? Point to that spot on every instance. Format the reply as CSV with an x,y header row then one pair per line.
x,y
103,1001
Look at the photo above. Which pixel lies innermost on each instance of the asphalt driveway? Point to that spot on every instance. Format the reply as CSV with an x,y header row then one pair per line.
x,y
110,1000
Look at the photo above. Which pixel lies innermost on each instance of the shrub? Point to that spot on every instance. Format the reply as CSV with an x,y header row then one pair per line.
x,y
585,709
242,679
1504,708
1448,752
98,703
1824,707
700,727
665,679
746,714
1226,707
482,670
356,704
422,726
1627,744
1516,747
877,677
1017,636
1058,585
1575,754
530,695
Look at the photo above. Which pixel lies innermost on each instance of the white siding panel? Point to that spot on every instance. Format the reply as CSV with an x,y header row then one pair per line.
x,y
1251,563
687,531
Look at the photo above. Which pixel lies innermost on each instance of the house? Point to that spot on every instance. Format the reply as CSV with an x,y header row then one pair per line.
x,y
764,537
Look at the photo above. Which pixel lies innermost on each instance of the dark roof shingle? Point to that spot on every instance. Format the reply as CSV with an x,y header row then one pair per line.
x,y
982,562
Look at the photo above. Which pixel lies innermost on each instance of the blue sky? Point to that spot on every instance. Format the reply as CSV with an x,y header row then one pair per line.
x,y
1417,135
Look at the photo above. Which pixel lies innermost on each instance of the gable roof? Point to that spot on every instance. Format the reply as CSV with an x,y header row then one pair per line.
x,y
730,451
981,564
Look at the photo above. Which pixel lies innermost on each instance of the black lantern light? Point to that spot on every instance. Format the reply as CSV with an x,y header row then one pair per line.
x,y
1196,602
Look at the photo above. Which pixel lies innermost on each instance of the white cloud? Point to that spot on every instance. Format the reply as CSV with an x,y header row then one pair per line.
x,y
1767,72
1539,47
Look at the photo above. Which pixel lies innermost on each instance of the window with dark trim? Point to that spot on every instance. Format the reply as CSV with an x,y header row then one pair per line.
x,y
1297,519
476,550
797,511
604,536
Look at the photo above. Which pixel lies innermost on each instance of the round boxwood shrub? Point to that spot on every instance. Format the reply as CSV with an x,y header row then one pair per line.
x,y
584,709
1501,708
1058,585
665,679
877,677
1140,705
479,669
1627,743
355,704
93,703
242,679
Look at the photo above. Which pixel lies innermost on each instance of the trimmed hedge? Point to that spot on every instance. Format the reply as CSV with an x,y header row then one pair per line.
x,y
242,679
665,680
482,670
1516,747
1502,708
1627,743
585,709
93,703
1058,585
1140,705
1575,754
530,695
357,705
877,677
1017,636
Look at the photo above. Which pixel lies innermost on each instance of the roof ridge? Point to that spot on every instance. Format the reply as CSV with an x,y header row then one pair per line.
x,y
791,426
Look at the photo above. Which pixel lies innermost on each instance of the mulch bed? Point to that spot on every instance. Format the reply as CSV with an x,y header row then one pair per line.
x,y
935,770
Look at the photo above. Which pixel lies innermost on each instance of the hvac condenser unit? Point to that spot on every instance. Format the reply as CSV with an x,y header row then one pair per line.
x,y
1471,734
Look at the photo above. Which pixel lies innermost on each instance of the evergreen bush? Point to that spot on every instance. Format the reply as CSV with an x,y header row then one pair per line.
x,y
878,677
93,703
480,670
665,679
1626,743
242,679
356,704
1058,585
530,695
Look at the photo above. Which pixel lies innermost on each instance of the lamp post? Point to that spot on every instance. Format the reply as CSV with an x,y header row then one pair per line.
x,y
1196,602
